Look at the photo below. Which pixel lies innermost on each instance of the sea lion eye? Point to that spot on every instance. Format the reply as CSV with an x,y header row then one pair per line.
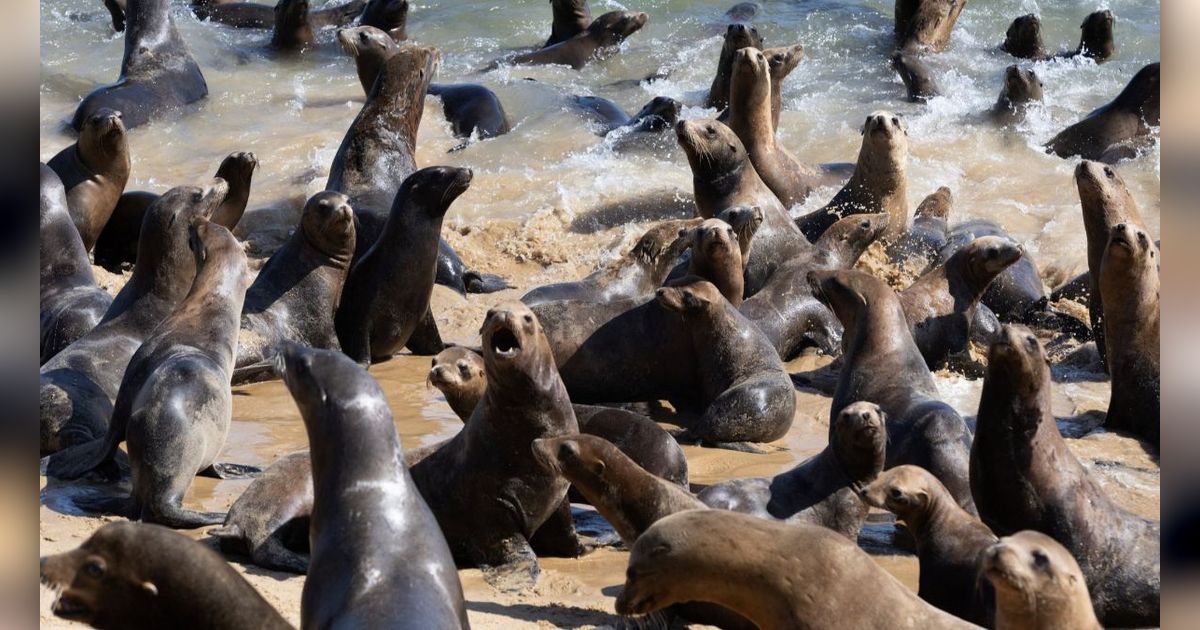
x,y
1108,172
433,362
1031,341
94,568
895,121
528,318
463,368
1040,559
895,493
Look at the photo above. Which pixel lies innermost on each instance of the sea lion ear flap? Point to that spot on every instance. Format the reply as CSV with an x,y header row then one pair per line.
x,y
148,587
902,123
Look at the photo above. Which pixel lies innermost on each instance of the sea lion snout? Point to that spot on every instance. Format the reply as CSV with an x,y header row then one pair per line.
x,y
507,326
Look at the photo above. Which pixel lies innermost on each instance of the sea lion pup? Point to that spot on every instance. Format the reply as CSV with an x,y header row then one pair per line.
x,y
917,77
1096,39
723,177
71,304
1129,287
717,257
1105,201
1021,88
387,291
1119,129
1038,584
271,517
940,304
1017,294
298,290
390,16
79,384
1023,476
140,576
737,37
601,39
744,563
158,74
488,494
950,542
926,24
1023,39
94,172
879,182
918,247
820,490
472,110
787,312
117,245
750,118
883,365
571,17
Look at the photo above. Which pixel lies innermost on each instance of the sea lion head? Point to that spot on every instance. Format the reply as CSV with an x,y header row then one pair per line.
x,y
163,240
860,440
212,241
458,373
613,27
328,225
1024,37
750,62
850,236
1097,37
329,388
659,248
745,221
238,169
782,61
885,134
936,206
515,351
696,297
566,456
1102,191
1129,248
291,22
987,256
739,36
659,114
713,150
1038,583
103,135
1017,358
676,545
906,491
848,293
1021,86
109,575
715,238
367,41
434,188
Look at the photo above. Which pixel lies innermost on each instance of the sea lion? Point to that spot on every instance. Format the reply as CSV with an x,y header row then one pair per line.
x,y
717,257
1021,88
940,304
571,17
601,39
370,48
659,114
94,172
472,110
879,182
926,24
1023,39
917,77
1038,584
140,576
117,245
881,364
744,563
1105,201
387,291
781,61
116,12
918,247
1119,129
271,516
1017,294
1129,287
79,384
298,290
488,493
950,542
821,489
158,74
1023,476
389,16
174,406
1096,39
256,15
737,36
71,303
743,12
377,554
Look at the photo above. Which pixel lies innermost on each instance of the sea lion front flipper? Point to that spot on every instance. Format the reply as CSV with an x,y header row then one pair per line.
x,y
230,471
557,538
517,568
479,282
426,340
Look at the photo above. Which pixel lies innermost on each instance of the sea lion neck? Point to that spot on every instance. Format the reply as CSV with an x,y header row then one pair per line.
x,y
148,29
400,88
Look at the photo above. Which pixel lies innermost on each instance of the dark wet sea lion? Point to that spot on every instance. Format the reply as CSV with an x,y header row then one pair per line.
x,y
1119,129
390,16
296,293
1129,286
660,114
174,406
940,305
1023,476
926,24
377,555
484,486
926,236
158,74
737,37
472,110
117,245
1023,39
1096,38
1018,291
950,542
743,563
258,15
140,576
821,489
94,172
271,516
743,11
1021,88
571,17
917,77
1039,586
292,30
387,291
605,112
883,365
879,182
601,39
71,304
79,384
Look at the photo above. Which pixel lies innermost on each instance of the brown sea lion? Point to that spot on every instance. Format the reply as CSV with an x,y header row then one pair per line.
x,y
748,565
1023,476
1118,130
950,542
371,48
258,15
879,182
1129,286
821,489
1023,39
571,17
1017,294
270,519
1038,585
71,304
1021,88
140,576
918,247
918,78
737,36
781,60
94,172
1096,39
926,24
717,257
883,365
602,38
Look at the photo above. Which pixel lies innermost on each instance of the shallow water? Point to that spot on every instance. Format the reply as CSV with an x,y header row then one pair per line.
x,y
532,185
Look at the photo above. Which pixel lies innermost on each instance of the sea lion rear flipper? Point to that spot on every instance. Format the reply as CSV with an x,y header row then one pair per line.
x,y
479,282
425,340
556,537
515,566
255,372
687,437
175,517
272,554
230,471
